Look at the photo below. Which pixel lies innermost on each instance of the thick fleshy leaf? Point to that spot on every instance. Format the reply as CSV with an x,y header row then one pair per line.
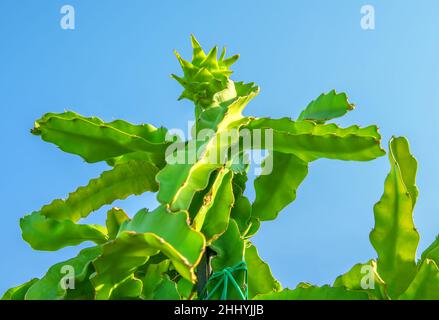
x,y
50,288
311,128
229,250
363,277
115,218
239,184
432,252
326,107
213,217
394,236
166,290
120,259
182,244
185,288
19,292
153,277
253,227
179,182
48,234
156,159
241,213
130,178
95,140
240,163
307,292
400,149
130,288
275,190
146,235
84,289
198,199
425,285
222,102
310,141
260,278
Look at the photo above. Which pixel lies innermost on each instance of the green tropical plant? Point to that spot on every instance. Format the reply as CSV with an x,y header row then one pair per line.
x,y
197,242
395,274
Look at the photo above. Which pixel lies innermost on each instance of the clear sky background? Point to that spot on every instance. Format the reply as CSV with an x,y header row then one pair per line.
x,y
116,64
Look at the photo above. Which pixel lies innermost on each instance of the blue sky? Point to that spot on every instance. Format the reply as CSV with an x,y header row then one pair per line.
x,y
116,64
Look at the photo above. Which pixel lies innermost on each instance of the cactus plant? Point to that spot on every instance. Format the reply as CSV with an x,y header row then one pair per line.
x,y
395,274
199,237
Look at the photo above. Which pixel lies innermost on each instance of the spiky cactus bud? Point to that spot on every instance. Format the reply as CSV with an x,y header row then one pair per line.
x,y
205,75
